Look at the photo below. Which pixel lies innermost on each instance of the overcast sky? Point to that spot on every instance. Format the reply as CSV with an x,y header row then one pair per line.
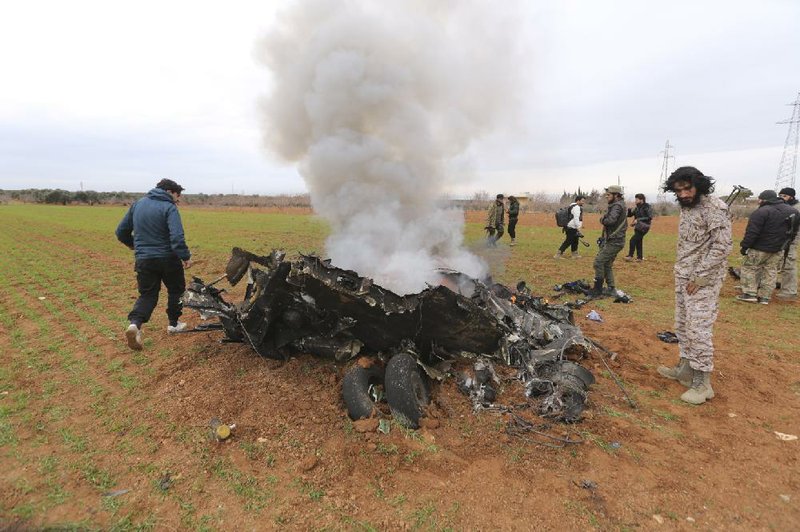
x,y
114,96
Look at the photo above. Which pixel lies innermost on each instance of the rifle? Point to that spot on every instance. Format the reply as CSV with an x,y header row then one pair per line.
x,y
736,192
793,223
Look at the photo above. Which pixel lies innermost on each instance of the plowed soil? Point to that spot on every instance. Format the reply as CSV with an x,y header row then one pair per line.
x,y
93,435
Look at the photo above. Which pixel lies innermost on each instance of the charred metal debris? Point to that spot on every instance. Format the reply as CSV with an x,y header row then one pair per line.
x,y
309,306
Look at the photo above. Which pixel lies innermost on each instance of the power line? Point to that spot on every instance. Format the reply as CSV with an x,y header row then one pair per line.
x,y
662,180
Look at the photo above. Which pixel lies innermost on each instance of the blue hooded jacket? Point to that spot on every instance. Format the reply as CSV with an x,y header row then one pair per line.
x,y
152,226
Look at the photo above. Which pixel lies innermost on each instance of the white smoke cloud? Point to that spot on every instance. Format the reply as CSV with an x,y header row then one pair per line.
x,y
373,99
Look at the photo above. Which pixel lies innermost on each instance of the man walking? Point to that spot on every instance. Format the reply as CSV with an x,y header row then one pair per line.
x,y
573,228
642,218
152,228
611,242
788,274
762,246
513,216
704,242
495,220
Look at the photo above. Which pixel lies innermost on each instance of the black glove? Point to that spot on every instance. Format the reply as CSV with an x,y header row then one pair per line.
x,y
580,235
744,251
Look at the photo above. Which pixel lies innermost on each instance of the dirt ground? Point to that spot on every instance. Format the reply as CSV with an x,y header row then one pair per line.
x,y
296,461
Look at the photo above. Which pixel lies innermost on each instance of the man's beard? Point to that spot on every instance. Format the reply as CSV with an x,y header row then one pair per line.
x,y
691,203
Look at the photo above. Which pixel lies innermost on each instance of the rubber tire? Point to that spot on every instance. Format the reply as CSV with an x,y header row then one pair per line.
x,y
406,390
355,391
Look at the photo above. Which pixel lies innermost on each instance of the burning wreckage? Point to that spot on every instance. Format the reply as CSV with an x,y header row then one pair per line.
x,y
309,306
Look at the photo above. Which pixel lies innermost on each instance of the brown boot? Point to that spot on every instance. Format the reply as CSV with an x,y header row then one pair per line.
x,y
681,373
701,390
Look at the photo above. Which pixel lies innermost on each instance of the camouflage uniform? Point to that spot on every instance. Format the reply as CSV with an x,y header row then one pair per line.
x,y
788,274
495,219
759,272
704,242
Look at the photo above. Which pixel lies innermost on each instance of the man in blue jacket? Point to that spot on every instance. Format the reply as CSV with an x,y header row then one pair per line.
x,y
152,228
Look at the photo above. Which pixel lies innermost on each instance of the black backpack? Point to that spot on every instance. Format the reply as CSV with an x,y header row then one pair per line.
x,y
563,215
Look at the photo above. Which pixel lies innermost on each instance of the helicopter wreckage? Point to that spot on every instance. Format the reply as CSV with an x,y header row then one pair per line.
x,y
402,343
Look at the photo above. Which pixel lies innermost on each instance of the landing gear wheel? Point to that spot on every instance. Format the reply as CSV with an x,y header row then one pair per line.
x,y
355,391
406,390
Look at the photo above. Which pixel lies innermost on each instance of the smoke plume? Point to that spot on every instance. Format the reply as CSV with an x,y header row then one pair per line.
x,y
373,100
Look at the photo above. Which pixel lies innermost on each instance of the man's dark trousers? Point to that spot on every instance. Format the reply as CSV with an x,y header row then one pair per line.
x,y
636,244
571,241
150,273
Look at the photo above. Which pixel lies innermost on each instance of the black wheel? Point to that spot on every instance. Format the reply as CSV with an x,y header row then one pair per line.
x,y
355,390
406,390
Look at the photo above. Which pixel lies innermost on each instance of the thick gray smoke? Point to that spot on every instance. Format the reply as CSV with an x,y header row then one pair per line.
x,y
373,100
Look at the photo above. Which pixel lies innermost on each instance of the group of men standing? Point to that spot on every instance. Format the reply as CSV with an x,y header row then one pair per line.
x,y
768,260
496,218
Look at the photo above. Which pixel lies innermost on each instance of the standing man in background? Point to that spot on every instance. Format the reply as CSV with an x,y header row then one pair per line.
x,y
704,242
611,242
642,215
495,220
513,215
573,228
152,228
763,246
787,277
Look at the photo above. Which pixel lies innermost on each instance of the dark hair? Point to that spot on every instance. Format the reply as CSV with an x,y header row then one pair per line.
x,y
170,186
703,183
579,197
641,197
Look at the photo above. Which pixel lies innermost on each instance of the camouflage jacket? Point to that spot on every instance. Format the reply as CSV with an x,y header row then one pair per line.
x,y
496,215
704,241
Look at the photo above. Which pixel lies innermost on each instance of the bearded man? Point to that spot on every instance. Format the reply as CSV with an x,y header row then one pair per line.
x,y
704,243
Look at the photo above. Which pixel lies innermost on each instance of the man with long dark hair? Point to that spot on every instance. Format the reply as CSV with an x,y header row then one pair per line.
x,y
642,218
704,242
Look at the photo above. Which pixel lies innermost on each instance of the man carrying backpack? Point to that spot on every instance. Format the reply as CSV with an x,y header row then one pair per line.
x,y
787,276
615,224
572,228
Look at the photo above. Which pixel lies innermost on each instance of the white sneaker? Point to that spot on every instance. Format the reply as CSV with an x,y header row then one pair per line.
x,y
134,336
180,327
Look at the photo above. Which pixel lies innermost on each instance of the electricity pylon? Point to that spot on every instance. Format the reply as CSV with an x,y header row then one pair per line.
x,y
662,180
787,169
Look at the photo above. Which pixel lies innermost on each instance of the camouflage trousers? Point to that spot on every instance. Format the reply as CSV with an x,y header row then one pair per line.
x,y
694,322
604,261
788,275
760,272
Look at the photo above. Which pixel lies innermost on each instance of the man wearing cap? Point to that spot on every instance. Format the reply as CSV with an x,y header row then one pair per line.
x,y
495,220
787,277
762,247
701,261
152,228
614,224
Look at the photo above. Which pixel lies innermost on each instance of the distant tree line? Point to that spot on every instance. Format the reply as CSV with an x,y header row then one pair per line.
x,y
91,197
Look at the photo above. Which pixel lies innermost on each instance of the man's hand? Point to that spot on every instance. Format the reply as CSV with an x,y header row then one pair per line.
x,y
692,288
743,251
187,264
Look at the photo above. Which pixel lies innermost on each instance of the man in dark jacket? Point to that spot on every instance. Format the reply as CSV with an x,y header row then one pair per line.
x,y
762,246
614,224
513,216
787,277
642,218
152,228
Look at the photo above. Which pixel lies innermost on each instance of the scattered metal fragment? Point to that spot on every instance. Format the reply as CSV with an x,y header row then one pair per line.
x,y
613,355
594,316
537,433
667,336
116,493
165,481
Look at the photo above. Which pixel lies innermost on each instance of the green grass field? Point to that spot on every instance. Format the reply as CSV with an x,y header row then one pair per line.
x,y
81,416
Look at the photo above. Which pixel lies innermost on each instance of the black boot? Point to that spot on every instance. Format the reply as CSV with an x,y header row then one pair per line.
x,y
597,289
